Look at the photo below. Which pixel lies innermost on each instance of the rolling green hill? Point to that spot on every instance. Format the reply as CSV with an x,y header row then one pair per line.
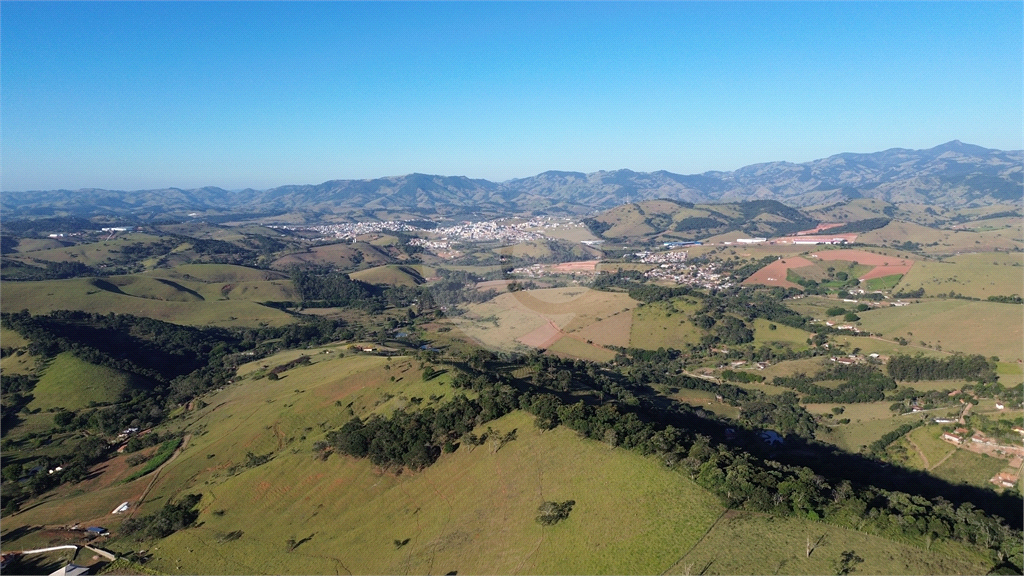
x,y
71,383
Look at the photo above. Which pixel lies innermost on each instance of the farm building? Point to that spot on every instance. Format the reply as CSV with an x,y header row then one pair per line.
x,y
1005,479
953,438
71,570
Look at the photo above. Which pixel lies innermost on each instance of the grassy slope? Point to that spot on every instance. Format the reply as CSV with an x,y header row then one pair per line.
x,y
390,275
82,294
72,383
519,313
773,545
969,468
960,325
974,275
663,324
93,253
472,511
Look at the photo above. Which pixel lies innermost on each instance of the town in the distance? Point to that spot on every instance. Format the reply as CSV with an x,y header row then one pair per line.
x,y
575,373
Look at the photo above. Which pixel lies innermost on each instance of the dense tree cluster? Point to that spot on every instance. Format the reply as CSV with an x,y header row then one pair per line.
x,y
167,521
862,383
323,287
956,367
1015,299
860,226
735,376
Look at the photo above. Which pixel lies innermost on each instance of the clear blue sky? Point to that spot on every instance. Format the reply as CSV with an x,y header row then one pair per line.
x,y
240,94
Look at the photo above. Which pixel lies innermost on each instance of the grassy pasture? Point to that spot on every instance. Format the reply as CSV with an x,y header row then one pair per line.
x,y
473,511
501,321
777,545
72,383
884,283
974,275
783,335
613,330
36,244
94,253
218,273
928,441
1010,373
11,339
663,325
965,467
389,275
869,421
956,325
155,288
85,295
343,255
573,348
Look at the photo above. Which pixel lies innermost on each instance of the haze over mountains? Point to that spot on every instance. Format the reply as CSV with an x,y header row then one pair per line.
x,y
952,174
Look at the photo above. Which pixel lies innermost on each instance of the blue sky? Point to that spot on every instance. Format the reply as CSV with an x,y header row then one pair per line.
x,y
241,94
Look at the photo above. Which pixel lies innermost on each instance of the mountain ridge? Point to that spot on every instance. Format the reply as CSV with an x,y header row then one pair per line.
x,y
951,174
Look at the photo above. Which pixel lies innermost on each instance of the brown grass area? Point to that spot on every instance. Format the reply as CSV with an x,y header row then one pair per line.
x,y
587,265
492,285
613,331
543,336
863,257
774,274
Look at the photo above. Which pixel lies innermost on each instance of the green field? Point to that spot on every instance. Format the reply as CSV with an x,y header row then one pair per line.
x,y
955,325
965,467
884,283
390,275
869,421
103,297
782,335
664,325
11,339
73,384
92,253
749,543
473,511
973,275
928,441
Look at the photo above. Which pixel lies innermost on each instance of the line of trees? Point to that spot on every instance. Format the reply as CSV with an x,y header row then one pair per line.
x,y
957,367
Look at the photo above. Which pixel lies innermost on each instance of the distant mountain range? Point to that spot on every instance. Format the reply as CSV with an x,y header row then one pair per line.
x,y
953,174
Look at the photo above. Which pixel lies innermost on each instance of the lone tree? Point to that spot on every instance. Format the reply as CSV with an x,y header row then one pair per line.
x,y
553,512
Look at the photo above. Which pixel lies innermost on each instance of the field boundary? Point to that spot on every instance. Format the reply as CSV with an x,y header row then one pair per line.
x,y
701,539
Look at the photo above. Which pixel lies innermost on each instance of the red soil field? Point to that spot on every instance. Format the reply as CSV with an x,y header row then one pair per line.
x,y
884,265
587,265
774,274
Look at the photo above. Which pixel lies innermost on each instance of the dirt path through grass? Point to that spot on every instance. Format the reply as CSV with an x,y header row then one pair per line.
x,y
944,458
156,473
920,452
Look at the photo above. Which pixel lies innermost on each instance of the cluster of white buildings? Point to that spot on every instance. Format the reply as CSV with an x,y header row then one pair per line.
x,y
349,230
673,257
706,275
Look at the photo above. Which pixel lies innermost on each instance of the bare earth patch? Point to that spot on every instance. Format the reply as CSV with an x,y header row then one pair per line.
x,y
774,274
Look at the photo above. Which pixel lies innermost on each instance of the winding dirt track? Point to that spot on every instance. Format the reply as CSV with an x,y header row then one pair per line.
x,y
156,474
